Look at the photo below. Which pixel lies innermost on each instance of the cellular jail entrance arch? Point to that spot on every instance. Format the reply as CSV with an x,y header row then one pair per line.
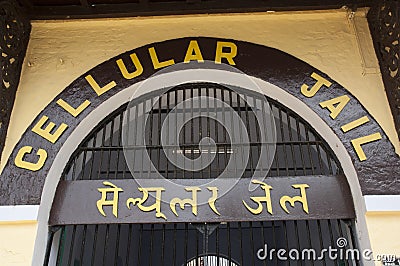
x,y
357,131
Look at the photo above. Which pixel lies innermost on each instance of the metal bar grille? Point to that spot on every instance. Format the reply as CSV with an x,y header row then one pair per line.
x,y
299,149
184,244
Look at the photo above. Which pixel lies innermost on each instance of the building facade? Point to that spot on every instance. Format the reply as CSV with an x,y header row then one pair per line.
x,y
206,136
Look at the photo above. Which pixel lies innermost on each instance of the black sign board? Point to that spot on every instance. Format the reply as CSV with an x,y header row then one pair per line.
x,y
194,200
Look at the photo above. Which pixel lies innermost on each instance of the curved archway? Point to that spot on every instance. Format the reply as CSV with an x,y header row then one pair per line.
x,y
289,80
300,151
29,164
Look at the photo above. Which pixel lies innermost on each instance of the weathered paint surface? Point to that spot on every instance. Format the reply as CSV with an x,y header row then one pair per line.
x,y
61,51
375,161
17,241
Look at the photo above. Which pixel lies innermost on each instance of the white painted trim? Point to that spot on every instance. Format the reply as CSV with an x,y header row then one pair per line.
x,y
382,203
229,78
19,213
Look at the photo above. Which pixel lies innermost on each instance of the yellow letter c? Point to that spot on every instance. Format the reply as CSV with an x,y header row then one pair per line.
x,y
19,159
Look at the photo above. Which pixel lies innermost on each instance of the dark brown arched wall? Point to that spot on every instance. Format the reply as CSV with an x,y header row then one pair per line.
x,y
373,156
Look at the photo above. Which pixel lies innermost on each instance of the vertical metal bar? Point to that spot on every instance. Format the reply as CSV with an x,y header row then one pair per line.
x,y
61,245
121,117
240,130
349,225
192,133
342,235
331,238
274,238
73,166
291,142
139,251
128,246
300,145
144,138
321,243
186,242
50,238
297,238
135,152
328,158
217,244
321,167
151,244
105,244
217,140
92,162
168,129
117,244
83,165
264,107
309,237
252,242
229,241
208,129
283,139
94,244
101,152
285,230
223,130
163,244
82,250
241,242
246,107
176,121
174,251
149,146
235,155
306,129
109,145
264,240
197,247
125,115
72,244
158,167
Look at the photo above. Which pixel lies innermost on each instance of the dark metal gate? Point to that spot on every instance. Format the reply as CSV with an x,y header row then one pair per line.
x,y
300,151
221,244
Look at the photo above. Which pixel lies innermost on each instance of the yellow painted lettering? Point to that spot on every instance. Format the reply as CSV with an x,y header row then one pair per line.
x,y
19,159
183,202
46,132
363,140
104,201
96,87
156,63
124,70
291,200
335,105
260,199
219,53
140,201
355,123
73,111
193,53
305,89
211,201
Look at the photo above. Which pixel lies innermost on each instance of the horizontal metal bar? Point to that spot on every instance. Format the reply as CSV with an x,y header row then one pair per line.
x,y
106,148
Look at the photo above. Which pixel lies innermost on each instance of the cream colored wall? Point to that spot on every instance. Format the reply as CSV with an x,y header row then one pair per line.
x,y
61,51
384,233
16,243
